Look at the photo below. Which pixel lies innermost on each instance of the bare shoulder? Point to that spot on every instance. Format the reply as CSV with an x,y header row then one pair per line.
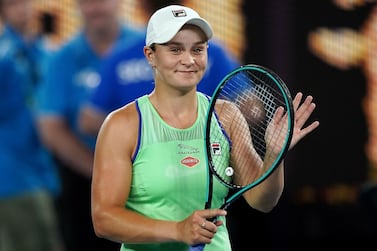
x,y
123,118
120,128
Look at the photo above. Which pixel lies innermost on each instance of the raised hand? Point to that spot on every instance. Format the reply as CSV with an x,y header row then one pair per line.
x,y
303,110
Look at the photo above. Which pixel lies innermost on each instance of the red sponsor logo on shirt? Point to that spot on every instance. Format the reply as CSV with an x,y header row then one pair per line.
x,y
189,161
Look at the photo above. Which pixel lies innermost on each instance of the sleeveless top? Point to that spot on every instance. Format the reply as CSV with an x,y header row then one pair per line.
x,y
169,176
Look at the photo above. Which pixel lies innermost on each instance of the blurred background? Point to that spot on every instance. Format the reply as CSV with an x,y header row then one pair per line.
x,y
327,49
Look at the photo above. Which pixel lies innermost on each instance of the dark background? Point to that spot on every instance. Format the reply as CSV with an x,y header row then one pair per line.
x,y
323,203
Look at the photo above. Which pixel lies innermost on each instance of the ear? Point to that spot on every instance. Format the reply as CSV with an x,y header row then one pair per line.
x,y
149,55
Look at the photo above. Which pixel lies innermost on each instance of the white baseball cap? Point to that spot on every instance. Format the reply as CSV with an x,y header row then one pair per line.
x,y
165,23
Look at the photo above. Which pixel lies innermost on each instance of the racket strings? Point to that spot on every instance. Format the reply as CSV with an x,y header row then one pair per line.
x,y
272,97
251,99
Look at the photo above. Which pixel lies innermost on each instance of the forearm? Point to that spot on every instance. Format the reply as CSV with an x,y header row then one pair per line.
x,y
122,225
265,196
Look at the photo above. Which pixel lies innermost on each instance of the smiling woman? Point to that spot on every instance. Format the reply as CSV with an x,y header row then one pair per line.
x,y
149,202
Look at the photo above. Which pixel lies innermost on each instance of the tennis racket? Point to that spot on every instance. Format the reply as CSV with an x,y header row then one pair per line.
x,y
249,127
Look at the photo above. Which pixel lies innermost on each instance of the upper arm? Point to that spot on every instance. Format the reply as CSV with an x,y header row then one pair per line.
x,y
112,169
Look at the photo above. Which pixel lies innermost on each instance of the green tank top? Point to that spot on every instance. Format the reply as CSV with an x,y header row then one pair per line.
x,y
169,175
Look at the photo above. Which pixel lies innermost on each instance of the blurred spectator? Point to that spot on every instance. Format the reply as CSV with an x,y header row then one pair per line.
x,y
28,177
126,75
71,75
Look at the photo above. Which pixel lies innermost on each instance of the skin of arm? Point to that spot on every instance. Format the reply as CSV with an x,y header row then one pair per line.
x,y
112,178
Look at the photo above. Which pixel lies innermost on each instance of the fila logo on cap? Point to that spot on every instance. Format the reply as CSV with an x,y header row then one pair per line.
x,y
179,13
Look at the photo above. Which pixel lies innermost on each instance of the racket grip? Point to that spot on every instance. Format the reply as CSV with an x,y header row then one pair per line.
x,y
197,247
200,246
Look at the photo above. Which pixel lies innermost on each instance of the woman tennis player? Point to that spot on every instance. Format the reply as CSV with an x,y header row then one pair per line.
x,y
149,174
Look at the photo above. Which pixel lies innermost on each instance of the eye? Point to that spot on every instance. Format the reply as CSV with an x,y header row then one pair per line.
x,y
198,50
175,50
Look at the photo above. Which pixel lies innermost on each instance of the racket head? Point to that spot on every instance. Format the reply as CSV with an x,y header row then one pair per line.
x,y
241,124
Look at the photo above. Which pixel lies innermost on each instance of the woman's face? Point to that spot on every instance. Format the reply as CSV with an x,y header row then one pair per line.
x,y
182,61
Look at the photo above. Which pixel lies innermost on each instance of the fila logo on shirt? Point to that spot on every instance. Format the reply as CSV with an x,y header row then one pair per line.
x,y
216,148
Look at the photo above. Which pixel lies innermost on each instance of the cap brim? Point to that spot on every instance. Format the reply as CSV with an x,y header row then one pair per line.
x,y
173,29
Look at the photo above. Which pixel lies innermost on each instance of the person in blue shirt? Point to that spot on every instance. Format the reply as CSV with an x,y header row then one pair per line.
x,y
71,76
127,75
29,182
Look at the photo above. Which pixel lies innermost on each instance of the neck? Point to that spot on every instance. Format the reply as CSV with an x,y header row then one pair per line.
x,y
177,111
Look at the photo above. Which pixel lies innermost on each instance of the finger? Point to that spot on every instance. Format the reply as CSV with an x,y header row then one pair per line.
x,y
209,228
219,223
297,100
279,115
208,233
203,225
304,111
213,213
303,132
302,107
209,225
309,128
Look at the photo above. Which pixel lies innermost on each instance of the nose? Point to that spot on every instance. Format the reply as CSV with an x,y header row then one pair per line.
x,y
187,58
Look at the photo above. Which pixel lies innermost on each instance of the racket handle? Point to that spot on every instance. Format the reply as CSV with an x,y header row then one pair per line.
x,y
197,247
200,246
